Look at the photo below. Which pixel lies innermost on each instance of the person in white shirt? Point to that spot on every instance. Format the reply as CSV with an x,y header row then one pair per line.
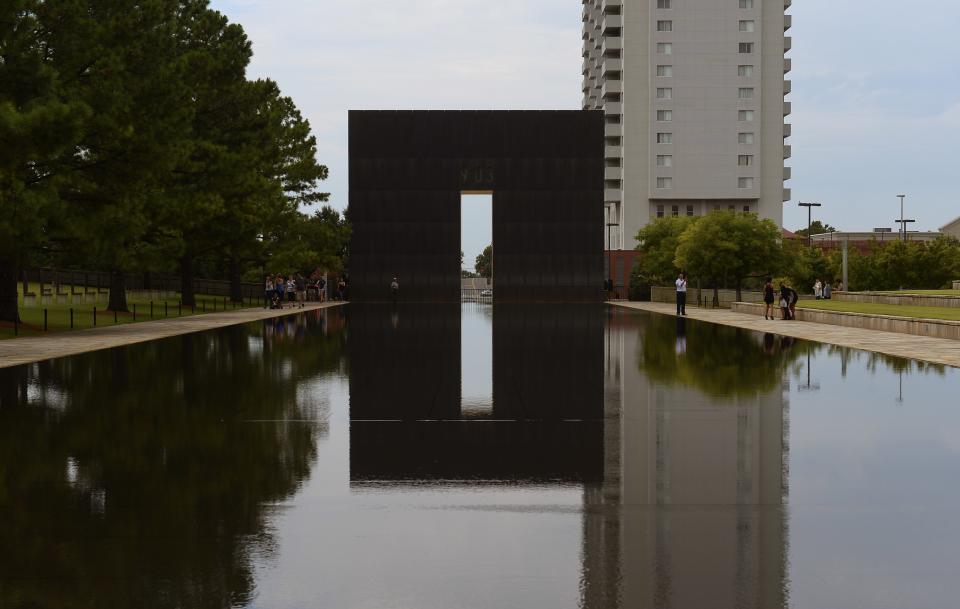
x,y
681,295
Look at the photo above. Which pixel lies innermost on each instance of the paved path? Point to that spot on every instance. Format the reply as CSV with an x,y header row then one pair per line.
x,y
16,351
936,350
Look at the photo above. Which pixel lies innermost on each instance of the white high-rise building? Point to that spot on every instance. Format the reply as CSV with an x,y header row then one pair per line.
x,y
693,93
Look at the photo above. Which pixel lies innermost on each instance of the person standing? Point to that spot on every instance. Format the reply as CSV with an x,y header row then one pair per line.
x,y
785,301
681,295
768,298
279,287
291,291
268,292
827,290
301,285
818,290
394,290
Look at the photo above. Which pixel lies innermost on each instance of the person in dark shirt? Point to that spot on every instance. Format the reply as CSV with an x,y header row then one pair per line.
x,y
768,298
788,301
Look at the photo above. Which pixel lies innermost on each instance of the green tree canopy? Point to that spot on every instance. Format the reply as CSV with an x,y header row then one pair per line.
x,y
484,262
725,244
658,245
816,228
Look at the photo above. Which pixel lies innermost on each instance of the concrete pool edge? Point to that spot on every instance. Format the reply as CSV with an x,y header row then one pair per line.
x,y
934,350
30,349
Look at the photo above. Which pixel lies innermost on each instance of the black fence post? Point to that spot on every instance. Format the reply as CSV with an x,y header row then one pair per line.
x,y
179,308
94,314
165,314
44,320
16,323
134,312
114,316
71,318
151,309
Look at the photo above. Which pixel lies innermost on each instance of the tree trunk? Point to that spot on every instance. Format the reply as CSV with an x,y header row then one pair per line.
x,y
118,292
236,289
8,292
739,290
716,295
187,296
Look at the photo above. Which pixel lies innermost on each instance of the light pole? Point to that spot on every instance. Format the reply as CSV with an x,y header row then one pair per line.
x,y
809,207
903,227
610,225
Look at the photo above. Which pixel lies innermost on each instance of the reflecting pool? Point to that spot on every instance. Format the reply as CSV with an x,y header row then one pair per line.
x,y
466,456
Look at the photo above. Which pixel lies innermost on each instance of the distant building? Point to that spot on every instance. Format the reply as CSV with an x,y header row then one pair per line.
x,y
693,97
951,229
865,241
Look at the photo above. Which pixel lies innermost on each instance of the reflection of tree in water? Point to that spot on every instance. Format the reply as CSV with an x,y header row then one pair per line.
x,y
892,363
141,477
718,360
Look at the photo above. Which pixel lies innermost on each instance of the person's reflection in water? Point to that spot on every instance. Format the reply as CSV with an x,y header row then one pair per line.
x,y
681,336
769,343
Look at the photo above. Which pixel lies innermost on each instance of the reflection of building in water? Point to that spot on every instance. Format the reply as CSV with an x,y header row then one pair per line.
x,y
690,513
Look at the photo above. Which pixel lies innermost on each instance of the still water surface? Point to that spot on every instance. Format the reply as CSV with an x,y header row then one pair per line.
x,y
468,457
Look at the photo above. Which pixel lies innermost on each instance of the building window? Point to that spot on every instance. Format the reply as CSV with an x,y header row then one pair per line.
x,y
745,138
689,210
745,71
665,71
664,183
664,4
659,211
745,116
746,47
664,160
665,48
745,160
665,26
744,183
745,93
731,208
664,138
675,211
664,93
746,3
747,25
664,116
746,209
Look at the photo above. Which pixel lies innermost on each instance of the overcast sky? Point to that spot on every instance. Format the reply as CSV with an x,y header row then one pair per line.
x,y
876,86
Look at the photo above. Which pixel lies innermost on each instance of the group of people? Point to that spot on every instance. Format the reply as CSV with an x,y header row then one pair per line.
x,y
277,290
296,289
824,290
788,297
788,300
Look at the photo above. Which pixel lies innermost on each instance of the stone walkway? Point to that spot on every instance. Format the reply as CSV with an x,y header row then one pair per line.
x,y
16,351
936,350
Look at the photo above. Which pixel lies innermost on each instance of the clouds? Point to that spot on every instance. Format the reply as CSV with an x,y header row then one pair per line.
x,y
876,88
420,54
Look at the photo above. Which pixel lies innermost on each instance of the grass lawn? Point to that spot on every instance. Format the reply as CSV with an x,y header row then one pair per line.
x,y
924,292
952,314
58,316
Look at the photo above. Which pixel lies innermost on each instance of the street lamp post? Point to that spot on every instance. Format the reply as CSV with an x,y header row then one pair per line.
x,y
610,225
903,226
809,207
